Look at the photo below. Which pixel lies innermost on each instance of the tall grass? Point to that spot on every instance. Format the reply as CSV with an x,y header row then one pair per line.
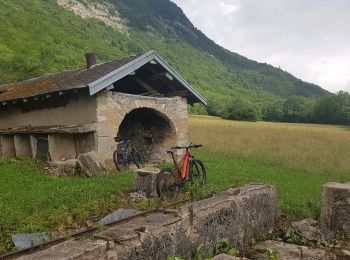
x,y
320,149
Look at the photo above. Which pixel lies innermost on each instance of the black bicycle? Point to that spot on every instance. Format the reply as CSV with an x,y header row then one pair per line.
x,y
126,154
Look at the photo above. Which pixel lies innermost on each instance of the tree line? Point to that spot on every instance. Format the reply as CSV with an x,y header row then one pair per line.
x,y
329,109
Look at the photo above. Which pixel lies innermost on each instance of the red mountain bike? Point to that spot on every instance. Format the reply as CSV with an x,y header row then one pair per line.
x,y
169,180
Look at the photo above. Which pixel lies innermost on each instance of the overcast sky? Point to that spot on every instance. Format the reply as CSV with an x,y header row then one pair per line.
x,y
308,38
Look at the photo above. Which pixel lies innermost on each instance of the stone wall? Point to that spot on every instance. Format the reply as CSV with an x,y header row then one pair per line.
x,y
112,107
81,109
240,218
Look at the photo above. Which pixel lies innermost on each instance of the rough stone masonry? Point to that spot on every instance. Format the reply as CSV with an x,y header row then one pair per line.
x,y
237,214
335,206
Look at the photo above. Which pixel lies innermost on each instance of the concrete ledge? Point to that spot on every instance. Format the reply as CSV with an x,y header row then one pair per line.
x,y
87,249
239,215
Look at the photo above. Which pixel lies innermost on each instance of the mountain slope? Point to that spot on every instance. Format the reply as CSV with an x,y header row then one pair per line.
x,y
166,18
38,37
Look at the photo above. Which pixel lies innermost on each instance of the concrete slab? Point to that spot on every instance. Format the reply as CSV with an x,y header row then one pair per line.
x,y
117,215
24,241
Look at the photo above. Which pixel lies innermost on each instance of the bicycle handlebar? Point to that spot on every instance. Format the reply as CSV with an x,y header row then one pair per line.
x,y
187,147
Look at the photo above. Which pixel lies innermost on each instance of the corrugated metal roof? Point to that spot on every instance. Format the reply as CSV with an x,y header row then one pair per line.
x,y
74,79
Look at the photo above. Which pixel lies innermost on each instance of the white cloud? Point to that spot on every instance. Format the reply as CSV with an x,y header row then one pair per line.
x,y
308,38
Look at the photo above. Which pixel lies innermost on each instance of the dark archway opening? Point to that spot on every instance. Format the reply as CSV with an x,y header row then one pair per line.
x,y
150,131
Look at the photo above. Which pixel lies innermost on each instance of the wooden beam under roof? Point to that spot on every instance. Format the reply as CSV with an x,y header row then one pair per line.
x,y
162,75
180,93
144,85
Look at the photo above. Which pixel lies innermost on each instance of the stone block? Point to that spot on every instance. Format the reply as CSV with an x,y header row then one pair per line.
x,y
239,218
72,249
89,162
23,145
64,168
61,147
145,180
8,145
268,249
335,206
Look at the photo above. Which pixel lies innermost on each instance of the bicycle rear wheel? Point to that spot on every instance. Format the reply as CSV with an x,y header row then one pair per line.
x,y
167,184
197,173
119,162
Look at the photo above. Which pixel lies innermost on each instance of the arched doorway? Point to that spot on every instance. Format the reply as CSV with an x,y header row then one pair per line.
x,y
151,132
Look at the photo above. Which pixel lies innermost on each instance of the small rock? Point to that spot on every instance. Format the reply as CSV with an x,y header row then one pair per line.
x,y
345,254
309,229
23,241
285,251
137,196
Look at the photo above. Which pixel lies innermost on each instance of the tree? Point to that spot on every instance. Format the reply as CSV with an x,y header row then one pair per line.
x,y
333,109
241,109
273,111
297,109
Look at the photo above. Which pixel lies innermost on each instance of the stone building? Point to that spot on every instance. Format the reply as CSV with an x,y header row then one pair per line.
x,y
60,116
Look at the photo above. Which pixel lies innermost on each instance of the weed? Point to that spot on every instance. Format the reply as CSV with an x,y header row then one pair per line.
x,y
223,246
292,237
271,254
315,209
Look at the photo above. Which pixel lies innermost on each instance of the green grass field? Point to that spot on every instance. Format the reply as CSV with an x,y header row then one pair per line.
x,y
296,158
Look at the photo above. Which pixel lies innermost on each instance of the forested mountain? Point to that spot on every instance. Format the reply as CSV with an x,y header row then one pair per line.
x,y
38,37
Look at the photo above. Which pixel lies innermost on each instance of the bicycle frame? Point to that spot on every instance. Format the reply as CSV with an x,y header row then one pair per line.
x,y
185,160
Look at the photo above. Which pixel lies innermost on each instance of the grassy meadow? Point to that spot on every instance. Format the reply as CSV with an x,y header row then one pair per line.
x,y
319,149
296,158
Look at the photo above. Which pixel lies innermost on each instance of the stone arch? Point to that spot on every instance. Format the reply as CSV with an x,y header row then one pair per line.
x,y
151,131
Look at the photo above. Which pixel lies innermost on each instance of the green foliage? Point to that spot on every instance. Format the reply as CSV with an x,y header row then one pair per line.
x,y
271,254
314,208
197,254
196,192
223,247
197,109
291,236
174,258
333,109
243,110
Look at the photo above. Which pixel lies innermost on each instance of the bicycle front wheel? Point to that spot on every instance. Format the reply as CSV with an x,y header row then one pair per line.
x,y
197,173
167,184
